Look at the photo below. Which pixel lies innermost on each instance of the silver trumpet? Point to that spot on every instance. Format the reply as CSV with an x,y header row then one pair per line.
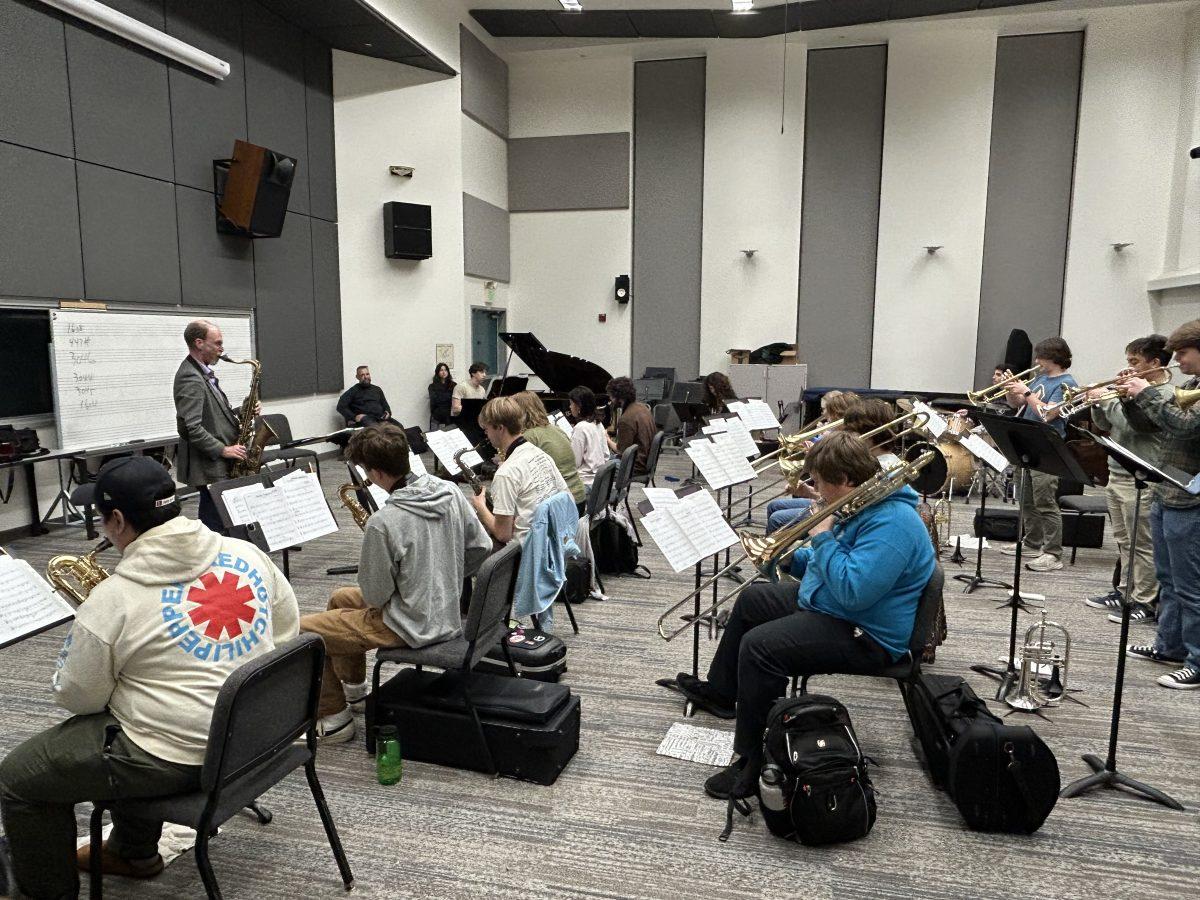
x,y
1045,665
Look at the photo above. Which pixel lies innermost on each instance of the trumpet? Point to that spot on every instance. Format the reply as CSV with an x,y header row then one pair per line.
x,y
996,391
348,494
766,553
1185,399
1075,400
76,576
1040,651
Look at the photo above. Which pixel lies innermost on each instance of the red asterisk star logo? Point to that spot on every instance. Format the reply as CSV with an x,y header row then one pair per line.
x,y
224,604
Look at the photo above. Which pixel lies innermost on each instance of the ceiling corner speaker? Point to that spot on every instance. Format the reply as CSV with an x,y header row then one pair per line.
x,y
252,190
407,231
621,289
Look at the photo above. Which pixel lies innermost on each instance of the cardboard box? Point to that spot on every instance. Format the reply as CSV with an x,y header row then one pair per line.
x,y
788,356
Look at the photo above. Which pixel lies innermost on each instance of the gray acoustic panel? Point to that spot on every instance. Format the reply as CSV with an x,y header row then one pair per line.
x,y
516,22
817,14
839,213
120,103
1035,106
674,23
284,319
763,22
322,178
327,305
35,103
275,92
130,237
207,115
597,23
668,209
39,230
484,83
216,269
485,239
578,171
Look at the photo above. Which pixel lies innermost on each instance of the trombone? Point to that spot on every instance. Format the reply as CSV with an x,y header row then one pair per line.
x,y
767,552
997,390
792,444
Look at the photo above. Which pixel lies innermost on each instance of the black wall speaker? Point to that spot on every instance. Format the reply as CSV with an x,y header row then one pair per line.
x,y
622,289
407,231
252,190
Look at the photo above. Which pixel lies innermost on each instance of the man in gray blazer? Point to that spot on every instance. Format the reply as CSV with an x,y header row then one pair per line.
x,y
207,425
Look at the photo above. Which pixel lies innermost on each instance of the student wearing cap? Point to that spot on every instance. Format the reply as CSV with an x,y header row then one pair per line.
x,y
140,672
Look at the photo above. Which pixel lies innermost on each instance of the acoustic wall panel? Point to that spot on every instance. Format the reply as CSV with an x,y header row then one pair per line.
x,y
275,92
285,321
328,305
207,115
578,171
484,83
39,230
839,213
1035,109
216,269
130,237
485,239
668,206
318,80
35,103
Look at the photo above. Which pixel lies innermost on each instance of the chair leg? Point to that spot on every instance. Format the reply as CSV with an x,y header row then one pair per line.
x,y
371,712
96,863
633,521
487,750
571,616
335,843
202,861
263,815
804,685
1075,546
512,669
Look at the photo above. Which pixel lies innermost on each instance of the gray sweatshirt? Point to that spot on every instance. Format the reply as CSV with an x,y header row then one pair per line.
x,y
416,551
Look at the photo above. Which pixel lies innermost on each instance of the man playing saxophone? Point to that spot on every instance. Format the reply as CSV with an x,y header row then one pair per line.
x,y
853,613
208,427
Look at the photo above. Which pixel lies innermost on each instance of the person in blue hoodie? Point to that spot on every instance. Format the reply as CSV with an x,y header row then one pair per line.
x,y
853,612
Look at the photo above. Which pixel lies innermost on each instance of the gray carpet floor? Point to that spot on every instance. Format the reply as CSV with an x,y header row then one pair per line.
x,y
624,822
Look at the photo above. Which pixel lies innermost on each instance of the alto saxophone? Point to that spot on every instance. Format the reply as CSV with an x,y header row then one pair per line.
x,y
75,576
253,433
349,497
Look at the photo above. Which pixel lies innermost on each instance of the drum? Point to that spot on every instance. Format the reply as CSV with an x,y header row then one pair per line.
x,y
956,426
960,467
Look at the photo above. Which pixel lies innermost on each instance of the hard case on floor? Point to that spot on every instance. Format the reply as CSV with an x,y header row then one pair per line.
x,y
534,653
1000,524
531,728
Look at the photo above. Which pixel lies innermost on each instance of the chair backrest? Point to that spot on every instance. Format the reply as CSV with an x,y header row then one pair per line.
x,y
262,708
653,453
624,475
601,490
490,600
927,612
279,424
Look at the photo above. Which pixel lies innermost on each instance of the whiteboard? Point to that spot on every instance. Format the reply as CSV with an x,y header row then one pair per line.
x,y
114,373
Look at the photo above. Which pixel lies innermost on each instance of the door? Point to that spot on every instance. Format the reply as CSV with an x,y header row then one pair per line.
x,y
486,325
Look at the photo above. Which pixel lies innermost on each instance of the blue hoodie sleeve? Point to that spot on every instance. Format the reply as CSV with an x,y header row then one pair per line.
x,y
800,560
860,580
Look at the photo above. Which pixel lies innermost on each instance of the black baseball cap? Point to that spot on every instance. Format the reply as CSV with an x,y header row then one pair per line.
x,y
132,483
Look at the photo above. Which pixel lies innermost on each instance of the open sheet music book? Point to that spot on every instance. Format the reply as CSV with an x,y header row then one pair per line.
x,y
755,413
560,421
28,604
1176,476
720,460
736,429
290,513
445,444
936,424
688,530
980,448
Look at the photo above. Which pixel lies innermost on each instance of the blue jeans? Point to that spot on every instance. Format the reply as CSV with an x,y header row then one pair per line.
x,y
1176,534
784,511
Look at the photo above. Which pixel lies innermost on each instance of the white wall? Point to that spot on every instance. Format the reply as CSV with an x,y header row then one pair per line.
x,y
933,190
752,178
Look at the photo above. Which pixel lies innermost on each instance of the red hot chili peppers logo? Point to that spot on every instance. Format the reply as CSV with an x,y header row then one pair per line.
x,y
220,616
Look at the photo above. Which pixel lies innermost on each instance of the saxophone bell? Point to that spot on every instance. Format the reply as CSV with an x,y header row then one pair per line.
x,y
253,433
348,494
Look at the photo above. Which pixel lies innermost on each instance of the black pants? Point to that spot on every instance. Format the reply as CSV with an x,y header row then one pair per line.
x,y
768,640
208,512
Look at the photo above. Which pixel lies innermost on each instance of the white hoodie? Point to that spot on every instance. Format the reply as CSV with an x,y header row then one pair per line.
x,y
156,640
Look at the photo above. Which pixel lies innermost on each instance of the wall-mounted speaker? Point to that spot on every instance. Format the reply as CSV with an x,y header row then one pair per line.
x,y
621,290
407,231
252,190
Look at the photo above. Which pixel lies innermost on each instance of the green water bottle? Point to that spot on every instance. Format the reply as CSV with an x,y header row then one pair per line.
x,y
389,765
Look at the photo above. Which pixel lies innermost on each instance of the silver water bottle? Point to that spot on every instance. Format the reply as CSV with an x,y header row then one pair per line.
x,y
770,787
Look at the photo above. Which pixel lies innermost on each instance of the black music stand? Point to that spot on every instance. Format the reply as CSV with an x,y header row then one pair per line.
x,y
251,532
977,580
1035,446
1104,772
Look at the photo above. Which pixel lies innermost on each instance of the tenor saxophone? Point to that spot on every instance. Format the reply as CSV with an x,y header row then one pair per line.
x,y
348,493
253,433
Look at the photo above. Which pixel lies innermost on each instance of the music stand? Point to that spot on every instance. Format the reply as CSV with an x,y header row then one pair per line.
x,y
1104,772
977,580
1028,446
251,532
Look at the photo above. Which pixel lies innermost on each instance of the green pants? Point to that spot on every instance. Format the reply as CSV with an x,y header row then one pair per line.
x,y
1043,518
85,758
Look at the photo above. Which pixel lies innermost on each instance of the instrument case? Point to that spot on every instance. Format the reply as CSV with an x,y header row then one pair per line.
x,y
1000,524
534,653
531,728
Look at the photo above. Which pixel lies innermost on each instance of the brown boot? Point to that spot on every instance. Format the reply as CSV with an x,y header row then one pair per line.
x,y
111,864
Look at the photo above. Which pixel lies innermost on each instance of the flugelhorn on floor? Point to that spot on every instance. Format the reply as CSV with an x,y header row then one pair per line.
x,y
76,576
1045,653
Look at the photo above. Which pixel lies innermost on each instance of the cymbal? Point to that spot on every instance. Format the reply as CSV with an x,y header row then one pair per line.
x,y
905,404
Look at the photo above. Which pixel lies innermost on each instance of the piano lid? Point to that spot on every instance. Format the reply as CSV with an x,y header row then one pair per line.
x,y
560,371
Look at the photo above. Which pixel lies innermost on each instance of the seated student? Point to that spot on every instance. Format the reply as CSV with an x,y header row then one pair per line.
x,y
140,672
635,424
416,551
1039,491
441,395
471,389
589,442
551,440
717,391
853,613
364,403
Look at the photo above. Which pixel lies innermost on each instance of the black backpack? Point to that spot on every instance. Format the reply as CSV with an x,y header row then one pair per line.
x,y
614,551
813,785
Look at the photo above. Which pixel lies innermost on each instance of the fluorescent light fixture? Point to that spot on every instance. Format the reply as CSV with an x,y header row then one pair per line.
x,y
107,19
571,5
743,6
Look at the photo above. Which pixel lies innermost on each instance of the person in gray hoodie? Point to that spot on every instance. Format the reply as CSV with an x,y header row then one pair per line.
x,y
416,551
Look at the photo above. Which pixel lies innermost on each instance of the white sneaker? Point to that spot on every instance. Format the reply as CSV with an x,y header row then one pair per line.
x,y
336,729
597,594
356,694
1044,563
1011,550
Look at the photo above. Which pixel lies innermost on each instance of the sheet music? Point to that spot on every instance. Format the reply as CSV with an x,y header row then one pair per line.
x,y
672,540
561,421
660,498
235,502
689,530
378,494
1178,477
985,451
937,423
696,744
711,531
308,506
737,430
445,444
27,602
719,461
755,413
270,510
416,465
732,458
